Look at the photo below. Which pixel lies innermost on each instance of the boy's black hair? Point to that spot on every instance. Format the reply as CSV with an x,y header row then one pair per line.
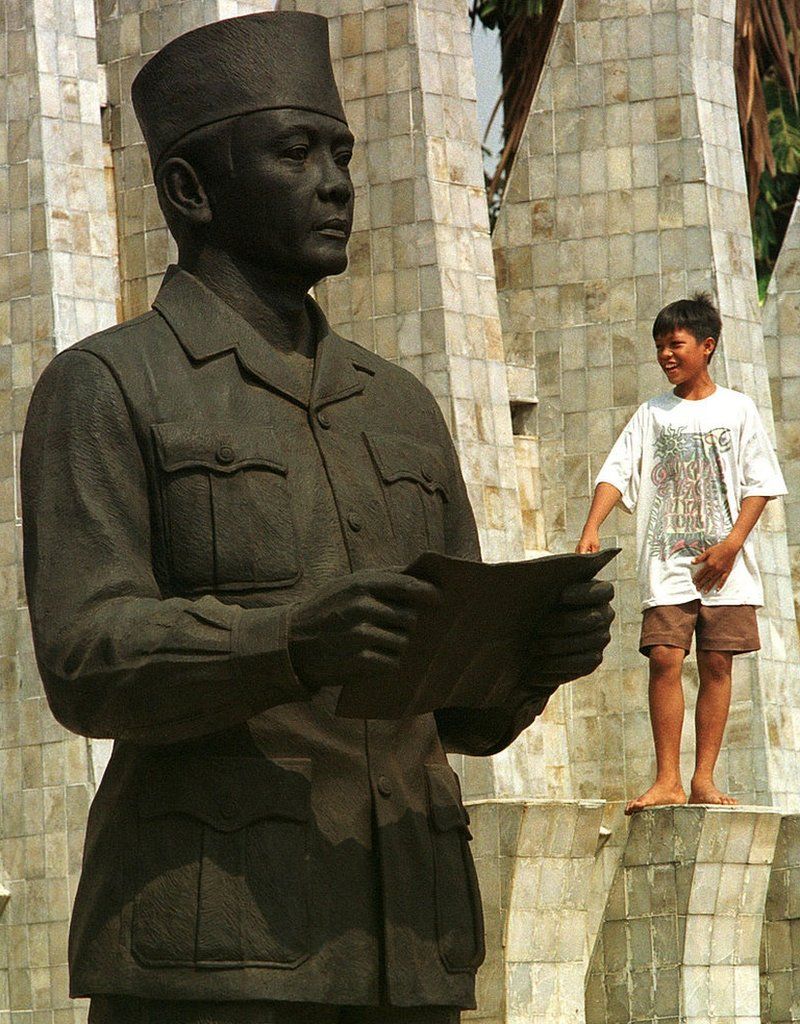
x,y
698,315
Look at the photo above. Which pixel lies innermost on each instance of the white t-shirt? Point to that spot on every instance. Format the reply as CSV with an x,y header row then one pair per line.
x,y
686,466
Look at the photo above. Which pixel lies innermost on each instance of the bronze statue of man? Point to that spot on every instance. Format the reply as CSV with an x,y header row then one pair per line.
x,y
218,496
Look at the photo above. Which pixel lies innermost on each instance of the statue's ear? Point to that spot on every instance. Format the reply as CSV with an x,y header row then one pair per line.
x,y
182,190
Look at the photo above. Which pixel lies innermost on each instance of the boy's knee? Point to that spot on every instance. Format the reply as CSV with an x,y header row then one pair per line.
x,y
714,664
663,657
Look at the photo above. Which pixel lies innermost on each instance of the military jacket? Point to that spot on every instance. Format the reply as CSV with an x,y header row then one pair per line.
x,y
184,484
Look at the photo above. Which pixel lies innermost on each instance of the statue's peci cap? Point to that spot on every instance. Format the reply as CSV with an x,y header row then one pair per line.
x,y
236,66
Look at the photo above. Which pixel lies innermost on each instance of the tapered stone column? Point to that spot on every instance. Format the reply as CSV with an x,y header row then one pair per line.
x,y
57,283
782,342
420,286
127,35
628,192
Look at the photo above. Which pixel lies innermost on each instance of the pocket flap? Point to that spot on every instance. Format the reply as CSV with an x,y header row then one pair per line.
x,y
192,443
406,458
228,793
444,797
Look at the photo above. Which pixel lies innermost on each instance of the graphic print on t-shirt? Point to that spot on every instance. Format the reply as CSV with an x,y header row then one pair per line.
x,y
690,510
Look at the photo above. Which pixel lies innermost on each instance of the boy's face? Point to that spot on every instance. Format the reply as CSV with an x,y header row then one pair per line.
x,y
682,357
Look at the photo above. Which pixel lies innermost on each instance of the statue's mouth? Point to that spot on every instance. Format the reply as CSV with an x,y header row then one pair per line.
x,y
335,228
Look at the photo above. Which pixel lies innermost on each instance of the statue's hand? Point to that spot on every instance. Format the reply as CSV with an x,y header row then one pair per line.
x,y
356,626
569,642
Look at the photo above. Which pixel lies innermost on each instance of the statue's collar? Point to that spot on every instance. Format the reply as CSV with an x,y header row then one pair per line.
x,y
207,326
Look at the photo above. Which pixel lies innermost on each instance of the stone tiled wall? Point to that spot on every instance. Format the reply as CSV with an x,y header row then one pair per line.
x,y
628,192
782,342
57,283
681,935
780,947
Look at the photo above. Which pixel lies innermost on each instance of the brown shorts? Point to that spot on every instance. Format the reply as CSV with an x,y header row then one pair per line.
x,y
726,627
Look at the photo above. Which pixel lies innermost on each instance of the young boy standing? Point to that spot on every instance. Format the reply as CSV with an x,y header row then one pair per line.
x,y
698,466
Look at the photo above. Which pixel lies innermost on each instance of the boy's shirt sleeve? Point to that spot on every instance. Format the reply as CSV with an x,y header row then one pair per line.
x,y
623,466
759,471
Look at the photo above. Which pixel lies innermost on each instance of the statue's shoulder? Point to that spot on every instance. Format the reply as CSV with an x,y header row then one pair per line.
x,y
385,371
139,333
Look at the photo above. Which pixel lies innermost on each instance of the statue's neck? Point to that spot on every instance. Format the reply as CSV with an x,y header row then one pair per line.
x,y
276,307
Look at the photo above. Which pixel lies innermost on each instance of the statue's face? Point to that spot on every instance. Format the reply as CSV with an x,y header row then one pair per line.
x,y
288,208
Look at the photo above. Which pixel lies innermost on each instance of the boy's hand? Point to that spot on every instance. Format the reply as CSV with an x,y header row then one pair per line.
x,y
589,542
717,564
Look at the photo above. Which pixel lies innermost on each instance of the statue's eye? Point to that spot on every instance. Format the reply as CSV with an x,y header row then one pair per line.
x,y
344,157
296,152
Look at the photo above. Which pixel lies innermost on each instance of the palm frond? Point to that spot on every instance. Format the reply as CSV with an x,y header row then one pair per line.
x,y
767,42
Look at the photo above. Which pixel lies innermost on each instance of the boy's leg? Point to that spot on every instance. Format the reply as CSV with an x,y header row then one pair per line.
x,y
722,632
666,719
711,714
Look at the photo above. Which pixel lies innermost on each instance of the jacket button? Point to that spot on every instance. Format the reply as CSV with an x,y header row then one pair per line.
x,y
354,522
323,420
228,806
384,786
225,454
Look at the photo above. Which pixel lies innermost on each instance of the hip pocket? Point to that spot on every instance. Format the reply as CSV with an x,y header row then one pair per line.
x,y
222,863
459,915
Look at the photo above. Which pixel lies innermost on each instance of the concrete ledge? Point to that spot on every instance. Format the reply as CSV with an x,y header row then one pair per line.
x,y
681,934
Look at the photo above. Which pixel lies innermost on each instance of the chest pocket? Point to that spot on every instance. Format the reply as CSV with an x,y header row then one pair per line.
x,y
226,508
414,478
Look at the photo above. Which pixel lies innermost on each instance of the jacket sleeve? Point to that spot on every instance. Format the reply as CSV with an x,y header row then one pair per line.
x,y
117,659
478,732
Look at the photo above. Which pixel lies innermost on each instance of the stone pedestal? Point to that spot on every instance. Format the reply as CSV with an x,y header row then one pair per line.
x,y
780,947
682,929
536,864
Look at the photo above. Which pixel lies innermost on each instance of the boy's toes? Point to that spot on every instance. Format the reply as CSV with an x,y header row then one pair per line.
x,y
709,794
657,796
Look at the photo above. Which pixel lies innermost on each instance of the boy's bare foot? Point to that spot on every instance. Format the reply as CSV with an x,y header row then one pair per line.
x,y
707,793
657,795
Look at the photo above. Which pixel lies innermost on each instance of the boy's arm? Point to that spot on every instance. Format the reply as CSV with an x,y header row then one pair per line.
x,y
605,498
719,558
618,480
